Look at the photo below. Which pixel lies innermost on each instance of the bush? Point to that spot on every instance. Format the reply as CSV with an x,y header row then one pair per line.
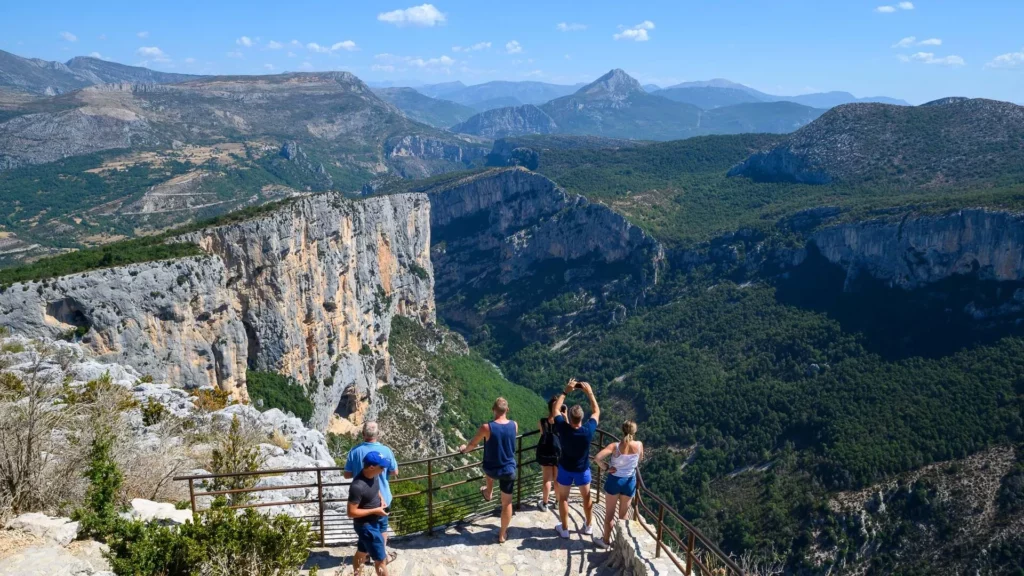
x,y
210,399
153,412
99,515
278,391
221,542
237,453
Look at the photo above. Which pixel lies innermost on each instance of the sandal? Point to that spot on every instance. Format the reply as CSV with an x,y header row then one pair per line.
x,y
392,556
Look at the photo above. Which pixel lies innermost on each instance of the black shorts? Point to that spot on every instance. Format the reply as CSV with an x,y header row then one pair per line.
x,y
506,482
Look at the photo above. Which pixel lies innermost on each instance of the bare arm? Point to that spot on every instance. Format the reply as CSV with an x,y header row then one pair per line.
x,y
354,511
556,408
347,475
481,434
595,410
604,453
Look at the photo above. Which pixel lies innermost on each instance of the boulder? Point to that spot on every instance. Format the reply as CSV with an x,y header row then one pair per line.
x,y
62,531
48,561
162,512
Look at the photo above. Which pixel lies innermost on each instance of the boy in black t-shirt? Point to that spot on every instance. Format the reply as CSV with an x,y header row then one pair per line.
x,y
366,508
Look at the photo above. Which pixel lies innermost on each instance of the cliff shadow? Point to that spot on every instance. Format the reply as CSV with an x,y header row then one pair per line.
x,y
932,321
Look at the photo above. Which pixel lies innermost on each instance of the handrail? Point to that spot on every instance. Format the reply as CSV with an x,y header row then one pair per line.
x,y
459,507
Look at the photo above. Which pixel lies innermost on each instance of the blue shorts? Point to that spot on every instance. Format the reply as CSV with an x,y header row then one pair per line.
x,y
371,540
506,481
616,486
383,524
566,478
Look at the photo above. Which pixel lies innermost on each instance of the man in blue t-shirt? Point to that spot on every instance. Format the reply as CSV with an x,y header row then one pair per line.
x,y
354,465
575,435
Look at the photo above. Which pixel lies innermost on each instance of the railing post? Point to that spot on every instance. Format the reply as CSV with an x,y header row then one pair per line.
x,y
320,500
690,543
661,527
430,497
600,447
519,474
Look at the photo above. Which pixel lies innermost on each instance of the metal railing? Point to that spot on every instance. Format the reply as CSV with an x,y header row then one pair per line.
x,y
432,498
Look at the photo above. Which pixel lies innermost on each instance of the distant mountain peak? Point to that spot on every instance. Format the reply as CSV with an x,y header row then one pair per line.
x,y
616,84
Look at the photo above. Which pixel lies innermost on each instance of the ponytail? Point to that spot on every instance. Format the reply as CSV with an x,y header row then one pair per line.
x,y
628,431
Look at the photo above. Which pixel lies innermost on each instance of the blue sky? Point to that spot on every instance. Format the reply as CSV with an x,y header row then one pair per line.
x,y
917,51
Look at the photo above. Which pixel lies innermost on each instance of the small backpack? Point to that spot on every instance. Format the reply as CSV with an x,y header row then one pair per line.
x,y
548,446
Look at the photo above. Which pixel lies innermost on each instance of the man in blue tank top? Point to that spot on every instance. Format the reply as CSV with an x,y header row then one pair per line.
x,y
499,463
575,435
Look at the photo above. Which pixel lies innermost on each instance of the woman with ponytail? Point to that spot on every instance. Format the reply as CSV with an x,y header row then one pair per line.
x,y
620,487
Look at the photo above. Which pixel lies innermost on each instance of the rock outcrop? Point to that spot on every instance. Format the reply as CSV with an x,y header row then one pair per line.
x,y
308,290
920,250
511,121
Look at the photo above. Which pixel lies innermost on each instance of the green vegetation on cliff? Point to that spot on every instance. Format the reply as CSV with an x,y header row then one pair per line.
x,y
272,390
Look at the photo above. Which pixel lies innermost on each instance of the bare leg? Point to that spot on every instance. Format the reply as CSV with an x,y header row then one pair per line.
x,y
549,480
609,514
488,490
506,515
357,562
588,504
624,506
563,504
381,567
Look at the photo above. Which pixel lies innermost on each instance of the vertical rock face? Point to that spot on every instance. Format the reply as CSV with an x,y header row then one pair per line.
x,y
172,319
308,291
924,249
316,286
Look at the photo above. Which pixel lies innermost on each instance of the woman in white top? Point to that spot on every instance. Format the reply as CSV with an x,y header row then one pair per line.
x,y
620,487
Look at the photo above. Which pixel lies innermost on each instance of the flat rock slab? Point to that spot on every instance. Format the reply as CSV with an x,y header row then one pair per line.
x,y
533,548
60,531
49,561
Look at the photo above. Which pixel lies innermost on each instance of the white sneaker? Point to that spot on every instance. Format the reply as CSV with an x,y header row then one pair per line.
x,y
587,529
601,543
541,505
562,532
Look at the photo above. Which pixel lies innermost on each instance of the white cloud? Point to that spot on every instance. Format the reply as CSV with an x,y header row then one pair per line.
x,y
533,74
513,47
102,36
268,66
636,33
153,53
424,15
931,58
274,45
890,9
1008,60
912,41
295,43
314,47
570,27
143,34
474,48
382,68
235,54
346,45
69,36
305,66
244,41
291,54
568,56
96,55
190,60
391,62
442,62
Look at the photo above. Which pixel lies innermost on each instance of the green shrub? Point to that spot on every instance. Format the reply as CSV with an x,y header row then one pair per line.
x,y
98,517
153,412
235,454
221,542
277,391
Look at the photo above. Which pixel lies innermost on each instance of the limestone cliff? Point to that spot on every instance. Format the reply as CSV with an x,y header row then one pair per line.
x,y
308,290
919,250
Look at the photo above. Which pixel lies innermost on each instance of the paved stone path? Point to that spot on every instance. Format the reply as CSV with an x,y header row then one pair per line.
x,y
532,548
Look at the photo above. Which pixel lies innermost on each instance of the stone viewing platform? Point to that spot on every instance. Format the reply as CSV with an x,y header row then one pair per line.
x,y
532,548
